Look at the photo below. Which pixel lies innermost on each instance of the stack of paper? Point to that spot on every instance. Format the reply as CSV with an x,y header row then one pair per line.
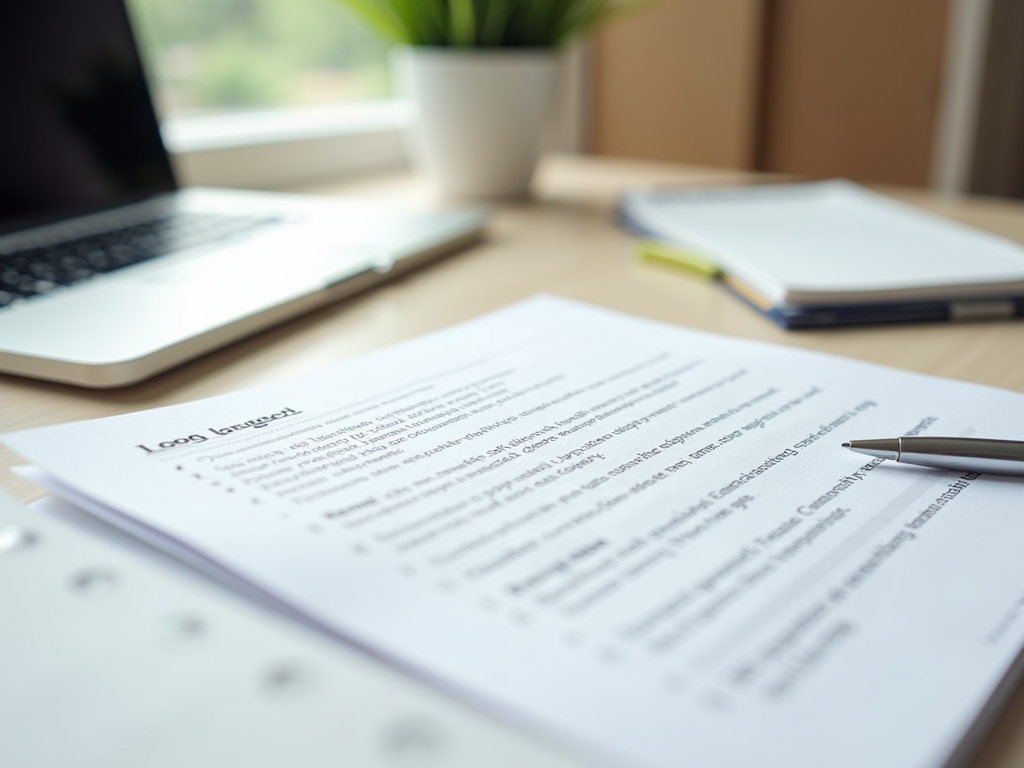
x,y
641,542
834,253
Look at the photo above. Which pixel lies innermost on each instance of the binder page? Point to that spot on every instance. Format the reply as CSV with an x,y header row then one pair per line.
x,y
640,541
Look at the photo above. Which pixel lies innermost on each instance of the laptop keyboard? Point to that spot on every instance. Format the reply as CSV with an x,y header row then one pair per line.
x,y
38,270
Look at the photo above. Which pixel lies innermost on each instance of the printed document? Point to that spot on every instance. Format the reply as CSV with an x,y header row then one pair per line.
x,y
641,542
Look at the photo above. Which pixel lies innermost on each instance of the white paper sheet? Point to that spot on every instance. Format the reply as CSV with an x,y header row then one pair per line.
x,y
643,541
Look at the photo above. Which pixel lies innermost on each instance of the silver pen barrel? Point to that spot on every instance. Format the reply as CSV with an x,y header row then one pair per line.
x,y
965,454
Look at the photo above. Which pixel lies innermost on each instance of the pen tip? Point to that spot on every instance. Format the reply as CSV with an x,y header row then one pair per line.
x,y
846,445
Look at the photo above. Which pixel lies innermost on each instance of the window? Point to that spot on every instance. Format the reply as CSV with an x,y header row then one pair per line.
x,y
230,55
299,77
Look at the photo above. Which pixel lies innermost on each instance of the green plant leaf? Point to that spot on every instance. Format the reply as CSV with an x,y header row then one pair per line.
x,y
382,18
487,23
462,23
494,17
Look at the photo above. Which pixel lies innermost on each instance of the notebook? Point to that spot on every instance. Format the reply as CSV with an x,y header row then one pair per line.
x,y
835,253
109,271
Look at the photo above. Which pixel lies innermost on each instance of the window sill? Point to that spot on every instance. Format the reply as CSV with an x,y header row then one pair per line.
x,y
282,148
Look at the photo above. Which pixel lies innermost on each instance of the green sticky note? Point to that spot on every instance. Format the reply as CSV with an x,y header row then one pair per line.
x,y
680,258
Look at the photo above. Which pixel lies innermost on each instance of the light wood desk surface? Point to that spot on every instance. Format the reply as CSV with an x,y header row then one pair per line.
x,y
562,242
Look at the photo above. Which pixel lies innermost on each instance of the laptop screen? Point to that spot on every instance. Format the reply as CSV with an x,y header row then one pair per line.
x,y
77,128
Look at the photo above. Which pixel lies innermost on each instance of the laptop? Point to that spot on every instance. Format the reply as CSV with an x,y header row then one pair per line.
x,y
109,271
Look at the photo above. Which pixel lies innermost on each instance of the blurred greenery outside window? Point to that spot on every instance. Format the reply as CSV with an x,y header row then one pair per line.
x,y
218,56
268,93
274,93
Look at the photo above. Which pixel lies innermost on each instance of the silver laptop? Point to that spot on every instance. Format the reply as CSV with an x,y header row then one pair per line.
x,y
109,272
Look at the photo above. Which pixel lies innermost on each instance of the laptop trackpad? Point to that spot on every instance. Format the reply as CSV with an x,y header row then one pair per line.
x,y
291,260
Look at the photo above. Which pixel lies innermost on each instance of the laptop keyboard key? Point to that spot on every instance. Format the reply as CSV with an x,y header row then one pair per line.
x,y
35,271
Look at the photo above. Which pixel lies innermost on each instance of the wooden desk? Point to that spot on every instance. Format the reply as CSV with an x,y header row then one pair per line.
x,y
563,242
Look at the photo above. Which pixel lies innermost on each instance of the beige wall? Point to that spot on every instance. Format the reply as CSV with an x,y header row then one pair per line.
x,y
853,88
678,82
817,87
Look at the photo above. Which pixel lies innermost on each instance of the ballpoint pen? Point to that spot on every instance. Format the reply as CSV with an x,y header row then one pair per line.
x,y
969,454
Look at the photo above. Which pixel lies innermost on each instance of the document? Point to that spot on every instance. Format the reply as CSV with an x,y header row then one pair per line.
x,y
641,542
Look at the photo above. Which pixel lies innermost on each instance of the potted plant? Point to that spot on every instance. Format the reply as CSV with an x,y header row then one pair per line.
x,y
480,76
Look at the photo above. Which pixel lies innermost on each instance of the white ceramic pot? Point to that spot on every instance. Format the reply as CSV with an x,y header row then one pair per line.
x,y
481,116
